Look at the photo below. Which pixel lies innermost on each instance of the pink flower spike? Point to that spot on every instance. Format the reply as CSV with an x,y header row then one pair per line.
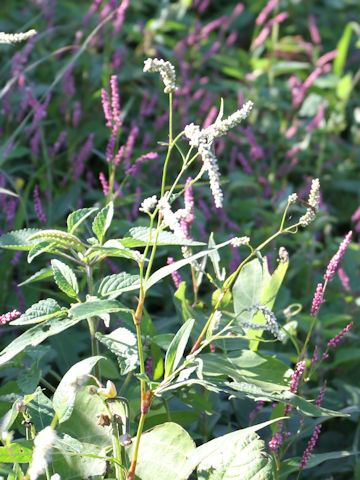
x,y
175,275
335,340
334,262
106,107
37,205
321,395
115,100
345,280
310,447
314,32
299,370
317,300
7,317
104,184
261,18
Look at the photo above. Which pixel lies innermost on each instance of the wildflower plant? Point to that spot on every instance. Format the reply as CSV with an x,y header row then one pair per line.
x,y
225,337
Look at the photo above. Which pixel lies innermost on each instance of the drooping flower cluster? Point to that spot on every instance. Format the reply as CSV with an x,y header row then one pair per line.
x,y
16,37
166,70
203,140
313,201
43,443
334,262
271,321
238,241
148,204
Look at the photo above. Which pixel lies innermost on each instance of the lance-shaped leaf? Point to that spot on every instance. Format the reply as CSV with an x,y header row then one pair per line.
x,y
93,308
36,335
118,283
177,347
39,312
102,221
122,342
19,239
76,218
268,298
19,452
65,278
42,274
169,269
64,396
140,236
249,287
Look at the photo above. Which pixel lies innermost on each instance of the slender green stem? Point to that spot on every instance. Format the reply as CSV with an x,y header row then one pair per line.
x,y
92,323
131,474
125,384
47,385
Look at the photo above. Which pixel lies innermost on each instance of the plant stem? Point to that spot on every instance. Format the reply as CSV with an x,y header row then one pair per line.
x,y
92,322
131,473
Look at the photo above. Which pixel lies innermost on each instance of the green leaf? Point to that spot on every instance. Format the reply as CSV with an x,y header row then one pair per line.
x,y
344,87
65,278
215,259
82,423
140,236
42,274
77,217
265,372
39,312
74,460
268,298
19,239
291,465
40,248
19,452
64,396
244,458
118,283
175,445
122,342
169,269
36,335
307,408
93,308
62,239
250,286
226,442
102,221
177,347
342,50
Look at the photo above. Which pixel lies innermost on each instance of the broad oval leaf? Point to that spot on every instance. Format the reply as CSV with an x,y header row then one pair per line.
x,y
175,445
64,397
39,312
177,347
122,342
119,283
65,278
62,239
243,458
102,221
77,217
